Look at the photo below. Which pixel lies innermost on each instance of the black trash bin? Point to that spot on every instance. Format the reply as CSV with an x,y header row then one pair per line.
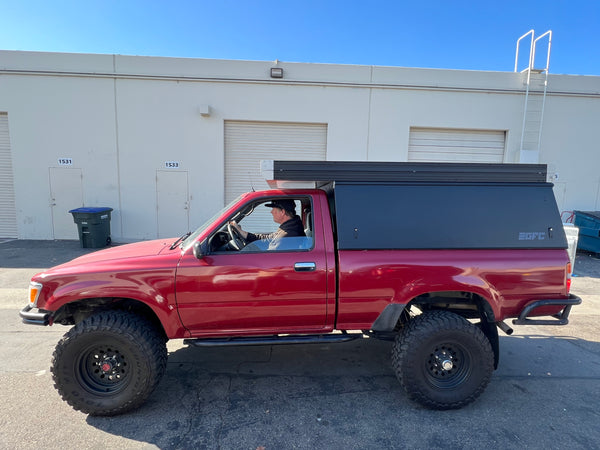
x,y
93,225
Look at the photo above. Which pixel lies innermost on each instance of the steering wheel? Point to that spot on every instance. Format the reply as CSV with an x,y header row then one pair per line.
x,y
237,240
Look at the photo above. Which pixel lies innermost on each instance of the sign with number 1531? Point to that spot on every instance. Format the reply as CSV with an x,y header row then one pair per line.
x,y
65,161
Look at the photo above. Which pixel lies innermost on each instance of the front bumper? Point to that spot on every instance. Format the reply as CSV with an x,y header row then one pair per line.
x,y
40,317
561,318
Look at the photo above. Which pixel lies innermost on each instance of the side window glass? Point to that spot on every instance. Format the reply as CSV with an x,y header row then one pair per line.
x,y
260,221
270,225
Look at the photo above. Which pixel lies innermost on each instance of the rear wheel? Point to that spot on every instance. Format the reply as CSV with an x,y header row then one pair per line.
x,y
109,363
442,360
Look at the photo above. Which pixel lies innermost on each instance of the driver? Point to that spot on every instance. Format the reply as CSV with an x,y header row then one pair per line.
x,y
284,213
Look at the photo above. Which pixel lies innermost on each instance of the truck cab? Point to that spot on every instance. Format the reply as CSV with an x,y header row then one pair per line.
x,y
229,286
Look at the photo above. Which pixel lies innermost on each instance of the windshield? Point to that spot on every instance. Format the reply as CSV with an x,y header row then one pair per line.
x,y
192,237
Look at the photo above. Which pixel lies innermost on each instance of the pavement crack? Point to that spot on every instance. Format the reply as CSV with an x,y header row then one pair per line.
x,y
223,414
195,409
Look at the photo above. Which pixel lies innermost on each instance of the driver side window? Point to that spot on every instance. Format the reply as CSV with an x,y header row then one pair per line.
x,y
272,224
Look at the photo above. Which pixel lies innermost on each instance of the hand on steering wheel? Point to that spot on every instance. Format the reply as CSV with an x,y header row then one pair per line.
x,y
237,240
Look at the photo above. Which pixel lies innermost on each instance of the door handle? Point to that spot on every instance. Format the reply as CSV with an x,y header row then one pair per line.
x,y
305,267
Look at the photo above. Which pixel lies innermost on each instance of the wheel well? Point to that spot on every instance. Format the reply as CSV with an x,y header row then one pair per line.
x,y
74,312
465,304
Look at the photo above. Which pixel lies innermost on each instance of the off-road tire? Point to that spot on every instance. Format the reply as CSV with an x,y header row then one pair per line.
x,y
442,360
109,363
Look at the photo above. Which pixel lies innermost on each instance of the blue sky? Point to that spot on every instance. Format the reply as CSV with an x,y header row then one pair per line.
x,y
472,35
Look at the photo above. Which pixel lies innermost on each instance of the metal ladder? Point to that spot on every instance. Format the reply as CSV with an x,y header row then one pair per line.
x,y
536,86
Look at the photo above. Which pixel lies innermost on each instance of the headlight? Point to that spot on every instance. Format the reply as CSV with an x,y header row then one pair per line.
x,y
34,292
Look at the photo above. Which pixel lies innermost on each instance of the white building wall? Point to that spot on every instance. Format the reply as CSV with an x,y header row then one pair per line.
x,y
54,117
571,148
121,117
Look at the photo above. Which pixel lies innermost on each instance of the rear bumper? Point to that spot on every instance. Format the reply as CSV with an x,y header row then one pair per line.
x,y
561,318
35,318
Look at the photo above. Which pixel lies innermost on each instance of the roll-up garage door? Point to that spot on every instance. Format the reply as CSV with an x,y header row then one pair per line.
x,y
451,145
8,215
247,143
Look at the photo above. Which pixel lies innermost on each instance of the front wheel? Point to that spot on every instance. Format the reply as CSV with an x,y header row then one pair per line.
x,y
442,360
109,363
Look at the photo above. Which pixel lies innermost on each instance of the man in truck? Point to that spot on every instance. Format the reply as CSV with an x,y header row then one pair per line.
x,y
284,214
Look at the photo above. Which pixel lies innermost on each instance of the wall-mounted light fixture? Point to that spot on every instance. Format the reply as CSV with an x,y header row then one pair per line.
x,y
276,72
204,110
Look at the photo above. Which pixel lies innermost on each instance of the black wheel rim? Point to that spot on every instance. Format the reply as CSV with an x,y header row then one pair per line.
x,y
447,365
103,369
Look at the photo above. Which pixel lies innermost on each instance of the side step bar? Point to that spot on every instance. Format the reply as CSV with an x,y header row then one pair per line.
x,y
274,340
559,319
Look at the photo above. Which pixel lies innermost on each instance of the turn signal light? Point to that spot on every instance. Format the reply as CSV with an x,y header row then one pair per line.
x,y
34,292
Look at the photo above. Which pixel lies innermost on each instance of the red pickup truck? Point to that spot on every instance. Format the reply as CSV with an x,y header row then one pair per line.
x,y
432,256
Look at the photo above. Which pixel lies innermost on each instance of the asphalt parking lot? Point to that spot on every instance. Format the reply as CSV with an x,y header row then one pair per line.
x,y
545,394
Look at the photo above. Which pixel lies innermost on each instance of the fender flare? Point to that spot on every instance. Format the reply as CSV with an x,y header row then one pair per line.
x,y
388,319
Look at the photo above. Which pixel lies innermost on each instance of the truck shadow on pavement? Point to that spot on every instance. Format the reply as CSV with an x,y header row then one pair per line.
x,y
346,396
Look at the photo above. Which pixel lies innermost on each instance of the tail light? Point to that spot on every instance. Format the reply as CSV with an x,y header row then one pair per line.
x,y
569,268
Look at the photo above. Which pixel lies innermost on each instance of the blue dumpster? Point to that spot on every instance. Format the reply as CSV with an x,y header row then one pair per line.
x,y
93,225
589,230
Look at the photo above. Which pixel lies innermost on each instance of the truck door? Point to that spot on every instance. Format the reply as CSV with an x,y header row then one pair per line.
x,y
257,289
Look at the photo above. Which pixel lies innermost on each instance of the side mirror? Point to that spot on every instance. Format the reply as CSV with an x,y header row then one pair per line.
x,y
199,249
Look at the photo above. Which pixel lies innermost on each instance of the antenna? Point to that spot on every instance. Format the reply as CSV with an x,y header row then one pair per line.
x,y
251,181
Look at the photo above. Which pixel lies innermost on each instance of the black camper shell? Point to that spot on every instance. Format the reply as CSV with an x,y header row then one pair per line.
x,y
396,205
